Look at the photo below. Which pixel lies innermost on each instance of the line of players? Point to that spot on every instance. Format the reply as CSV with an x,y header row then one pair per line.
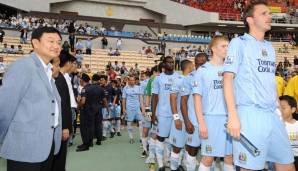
x,y
178,104
181,114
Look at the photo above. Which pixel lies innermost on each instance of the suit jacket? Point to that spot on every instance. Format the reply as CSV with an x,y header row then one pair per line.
x,y
27,107
65,102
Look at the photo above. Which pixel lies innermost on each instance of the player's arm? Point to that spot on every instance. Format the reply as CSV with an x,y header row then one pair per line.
x,y
155,92
106,105
147,101
200,117
231,68
142,103
153,106
148,93
114,100
197,92
173,102
124,101
233,126
184,111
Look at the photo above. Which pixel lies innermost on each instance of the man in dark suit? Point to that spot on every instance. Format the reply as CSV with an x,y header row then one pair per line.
x,y
30,118
66,61
91,100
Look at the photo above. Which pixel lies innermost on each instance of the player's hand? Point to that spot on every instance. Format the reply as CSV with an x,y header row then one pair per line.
x,y
203,130
148,114
189,127
154,120
65,134
178,124
233,126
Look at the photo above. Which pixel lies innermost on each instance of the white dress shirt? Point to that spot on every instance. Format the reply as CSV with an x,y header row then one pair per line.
x,y
48,71
73,102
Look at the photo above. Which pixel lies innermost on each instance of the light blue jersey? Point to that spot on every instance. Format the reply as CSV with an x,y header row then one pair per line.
x,y
143,85
188,85
208,80
162,86
131,94
178,89
253,63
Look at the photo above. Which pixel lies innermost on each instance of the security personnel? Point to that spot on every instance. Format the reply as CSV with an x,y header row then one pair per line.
x,y
92,96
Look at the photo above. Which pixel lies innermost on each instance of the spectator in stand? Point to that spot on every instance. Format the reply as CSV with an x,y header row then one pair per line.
x,y
81,29
88,45
123,69
71,37
286,62
142,51
148,50
137,69
155,50
110,51
20,50
119,44
296,62
108,66
114,53
23,36
79,45
111,73
163,47
79,57
12,50
2,34
286,48
2,69
104,42
65,46
5,49
116,66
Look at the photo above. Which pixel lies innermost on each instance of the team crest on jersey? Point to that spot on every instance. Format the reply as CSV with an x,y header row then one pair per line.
x,y
264,53
195,84
208,149
242,157
220,73
229,60
168,86
170,80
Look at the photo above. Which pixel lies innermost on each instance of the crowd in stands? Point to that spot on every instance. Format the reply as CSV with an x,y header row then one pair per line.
x,y
287,69
12,49
233,9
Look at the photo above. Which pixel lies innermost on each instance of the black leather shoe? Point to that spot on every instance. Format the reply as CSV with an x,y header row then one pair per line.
x,y
162,169
83,148
112,134
98,142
